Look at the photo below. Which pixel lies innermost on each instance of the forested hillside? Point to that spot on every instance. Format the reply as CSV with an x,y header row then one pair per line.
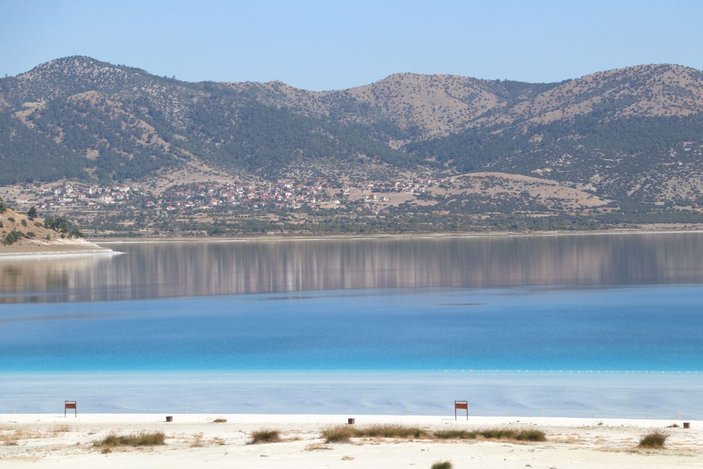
x,y
634,134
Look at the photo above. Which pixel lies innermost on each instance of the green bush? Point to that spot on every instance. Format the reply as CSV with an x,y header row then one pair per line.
x,y
11,238
63,226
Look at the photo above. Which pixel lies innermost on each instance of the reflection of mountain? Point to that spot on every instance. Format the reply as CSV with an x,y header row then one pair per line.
x,y
41,279
173,269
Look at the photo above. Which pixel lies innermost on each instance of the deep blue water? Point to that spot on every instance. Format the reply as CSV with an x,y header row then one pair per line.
x,y
647,328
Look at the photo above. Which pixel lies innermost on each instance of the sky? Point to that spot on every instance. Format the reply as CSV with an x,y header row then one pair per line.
x,y
335,44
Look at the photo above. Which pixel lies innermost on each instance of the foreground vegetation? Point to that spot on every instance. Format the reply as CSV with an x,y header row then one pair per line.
x,y
492,434
265,436
654,440
344,433
442,465
136,439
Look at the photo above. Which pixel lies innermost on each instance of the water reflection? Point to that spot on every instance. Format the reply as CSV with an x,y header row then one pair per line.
x,y
181,269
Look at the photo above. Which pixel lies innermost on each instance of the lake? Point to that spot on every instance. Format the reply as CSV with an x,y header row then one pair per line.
x,y
587,325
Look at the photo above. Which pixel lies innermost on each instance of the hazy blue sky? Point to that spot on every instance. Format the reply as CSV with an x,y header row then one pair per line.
x,y
337,44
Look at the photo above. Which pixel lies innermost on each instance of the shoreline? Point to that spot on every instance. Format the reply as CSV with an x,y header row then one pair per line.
x,y
336,419
389,236
225,440
92,246
39,249
20,255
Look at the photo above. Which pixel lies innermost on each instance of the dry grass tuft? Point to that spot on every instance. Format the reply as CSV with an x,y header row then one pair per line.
x,y
317,447
442,465
343,433
338,434
137,439
531,435
60,429
219,421
390,431
456,435
197,441
18,434
265,436
11,439
492,434
654,440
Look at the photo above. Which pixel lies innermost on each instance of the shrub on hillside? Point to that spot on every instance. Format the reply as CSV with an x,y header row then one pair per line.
x,y
11,238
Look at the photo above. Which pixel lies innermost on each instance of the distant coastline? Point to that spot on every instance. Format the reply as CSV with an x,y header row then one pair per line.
x,y
647,229
93,246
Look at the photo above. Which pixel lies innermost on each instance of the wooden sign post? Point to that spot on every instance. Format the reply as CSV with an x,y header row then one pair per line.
x,y
461,405
70,405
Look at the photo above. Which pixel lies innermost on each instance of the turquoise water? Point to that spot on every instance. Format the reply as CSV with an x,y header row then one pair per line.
x,y
654,328
565,326
627,395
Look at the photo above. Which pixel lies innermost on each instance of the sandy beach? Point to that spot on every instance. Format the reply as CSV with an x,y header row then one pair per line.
x,y
193,440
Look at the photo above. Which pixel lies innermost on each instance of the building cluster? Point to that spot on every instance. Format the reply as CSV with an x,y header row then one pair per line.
x,y
282,195
76,195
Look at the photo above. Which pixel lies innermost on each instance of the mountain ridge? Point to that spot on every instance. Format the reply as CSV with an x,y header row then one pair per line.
x,y
632,133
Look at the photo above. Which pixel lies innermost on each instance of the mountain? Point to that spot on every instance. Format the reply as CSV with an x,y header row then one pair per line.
x,y
634,135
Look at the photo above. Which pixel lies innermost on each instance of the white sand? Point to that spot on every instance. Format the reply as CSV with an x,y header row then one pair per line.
x,y
40,249
193,440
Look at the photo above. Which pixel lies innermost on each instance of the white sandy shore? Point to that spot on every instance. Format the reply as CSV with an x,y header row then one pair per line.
x,y
194,440
15,256
58,248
